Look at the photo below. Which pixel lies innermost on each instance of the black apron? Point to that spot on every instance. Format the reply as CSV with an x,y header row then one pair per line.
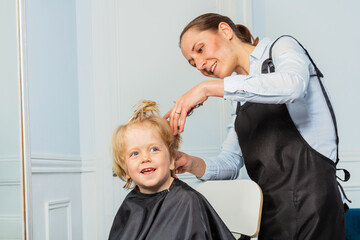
x,y
301,199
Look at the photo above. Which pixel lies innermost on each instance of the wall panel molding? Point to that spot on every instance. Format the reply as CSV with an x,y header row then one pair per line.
x,y
349,156
14,218
202,151
352,187
11,227
88,166
9,158
350,160
58,213
10,182
48,163
10,169
62,157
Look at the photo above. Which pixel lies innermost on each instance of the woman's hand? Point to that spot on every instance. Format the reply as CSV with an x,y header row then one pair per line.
x,y
196,95
187,163
183,105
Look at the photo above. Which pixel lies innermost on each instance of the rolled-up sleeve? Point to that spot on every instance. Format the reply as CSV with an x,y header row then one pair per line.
x,y
227,164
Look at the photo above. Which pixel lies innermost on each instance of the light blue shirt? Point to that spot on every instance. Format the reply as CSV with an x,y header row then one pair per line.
x,y
290,84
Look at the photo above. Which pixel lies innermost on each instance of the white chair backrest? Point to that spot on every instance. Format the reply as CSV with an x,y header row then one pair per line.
x,y
238,203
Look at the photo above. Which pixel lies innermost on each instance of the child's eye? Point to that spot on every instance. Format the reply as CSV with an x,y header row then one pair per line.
x,y
133,154
200,49
154,149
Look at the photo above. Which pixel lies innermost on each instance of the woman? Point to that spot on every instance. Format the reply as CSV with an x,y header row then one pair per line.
x,y
284,132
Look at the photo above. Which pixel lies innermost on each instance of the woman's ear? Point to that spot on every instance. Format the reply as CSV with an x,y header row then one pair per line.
x,y
226,30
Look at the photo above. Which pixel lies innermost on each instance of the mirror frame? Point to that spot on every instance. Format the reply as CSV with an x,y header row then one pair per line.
x,y
25,136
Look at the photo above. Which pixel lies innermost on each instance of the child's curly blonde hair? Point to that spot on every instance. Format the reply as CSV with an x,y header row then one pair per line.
x,y
146,112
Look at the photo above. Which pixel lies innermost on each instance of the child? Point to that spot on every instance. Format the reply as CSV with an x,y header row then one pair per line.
x,y
160,207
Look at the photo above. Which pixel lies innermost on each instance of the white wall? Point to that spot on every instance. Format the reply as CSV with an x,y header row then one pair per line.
x,y
53,107
9,84
88,62
151,65
89,192
329,31
11,204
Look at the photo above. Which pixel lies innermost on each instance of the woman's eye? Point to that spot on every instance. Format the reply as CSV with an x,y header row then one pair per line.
x,y
134,154
200,49
154,149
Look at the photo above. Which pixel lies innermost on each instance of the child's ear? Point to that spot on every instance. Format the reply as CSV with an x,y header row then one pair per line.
x,y
172,163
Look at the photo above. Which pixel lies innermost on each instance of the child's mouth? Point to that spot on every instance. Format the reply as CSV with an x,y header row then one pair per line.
x,y
148,171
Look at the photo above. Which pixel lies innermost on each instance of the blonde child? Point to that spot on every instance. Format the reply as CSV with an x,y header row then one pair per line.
x,y
160,206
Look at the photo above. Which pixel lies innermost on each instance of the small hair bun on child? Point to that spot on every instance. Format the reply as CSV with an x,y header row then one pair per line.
x,y
143,109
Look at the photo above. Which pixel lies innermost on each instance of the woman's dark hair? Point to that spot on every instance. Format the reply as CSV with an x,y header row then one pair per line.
x,y
210,21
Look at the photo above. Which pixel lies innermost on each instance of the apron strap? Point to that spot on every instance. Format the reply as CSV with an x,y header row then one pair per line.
x,y
268,67
346,175
343,192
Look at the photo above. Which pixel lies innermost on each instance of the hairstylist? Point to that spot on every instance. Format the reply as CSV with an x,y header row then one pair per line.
x,y
284,128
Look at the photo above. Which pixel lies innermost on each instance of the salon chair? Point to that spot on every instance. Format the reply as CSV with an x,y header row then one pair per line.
x,y
238,203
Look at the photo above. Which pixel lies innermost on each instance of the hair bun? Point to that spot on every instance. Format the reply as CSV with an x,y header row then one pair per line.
x,y
143,109
246,36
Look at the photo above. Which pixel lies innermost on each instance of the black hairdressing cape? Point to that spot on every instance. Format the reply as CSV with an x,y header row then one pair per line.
x,y
178,213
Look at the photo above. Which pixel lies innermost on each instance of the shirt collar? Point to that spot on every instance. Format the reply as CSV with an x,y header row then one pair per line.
x,y
259,49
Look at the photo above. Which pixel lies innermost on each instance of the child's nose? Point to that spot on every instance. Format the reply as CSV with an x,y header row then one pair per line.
x,y
146,158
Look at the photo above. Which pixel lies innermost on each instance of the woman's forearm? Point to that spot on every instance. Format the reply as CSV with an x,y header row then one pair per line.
x,y
213,88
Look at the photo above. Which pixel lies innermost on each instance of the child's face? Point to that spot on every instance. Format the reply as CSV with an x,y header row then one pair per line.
x,y
147,159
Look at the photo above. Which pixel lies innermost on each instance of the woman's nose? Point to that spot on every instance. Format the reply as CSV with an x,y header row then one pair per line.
x,y
200,64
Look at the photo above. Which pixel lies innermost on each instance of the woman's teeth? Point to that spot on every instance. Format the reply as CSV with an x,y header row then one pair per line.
x,y
213,67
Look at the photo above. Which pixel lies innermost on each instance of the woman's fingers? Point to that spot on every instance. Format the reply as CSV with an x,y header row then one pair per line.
x,y
182,121
180,171
181,118
181,162
167,115
178,113
173,119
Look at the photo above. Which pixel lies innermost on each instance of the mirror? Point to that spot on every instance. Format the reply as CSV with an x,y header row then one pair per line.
x,y
11,187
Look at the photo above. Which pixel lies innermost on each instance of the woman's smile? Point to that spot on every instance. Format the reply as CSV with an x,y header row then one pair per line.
x,y
212,70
